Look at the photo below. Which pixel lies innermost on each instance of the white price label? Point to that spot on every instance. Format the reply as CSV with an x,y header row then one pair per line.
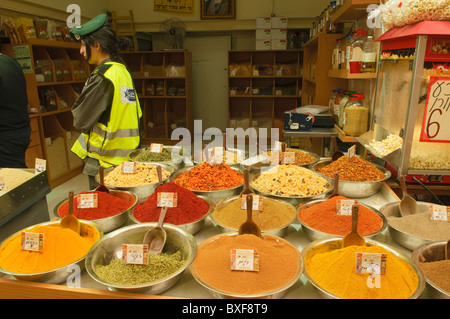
x,y
371,263
167,199
156,148
344,206
244,259
40,165
87,201
32,241
289,158
128,167
216,156
257,203
274,157
440,212
352,151
135,254
277,145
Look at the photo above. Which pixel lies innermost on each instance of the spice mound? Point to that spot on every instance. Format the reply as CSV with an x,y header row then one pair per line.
x,y
166,155
301,158
438,273
14,177
290,180
325,218
61,247
107,205
334,271
274,214
143,174
278,264
352,169
206,177
189,208
421,225
158,267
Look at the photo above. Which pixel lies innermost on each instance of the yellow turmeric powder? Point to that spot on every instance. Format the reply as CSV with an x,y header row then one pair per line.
x,y
335,272
62,247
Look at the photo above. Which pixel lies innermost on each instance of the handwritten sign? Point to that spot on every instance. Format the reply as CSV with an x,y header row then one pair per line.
x,y
436,116
244,260
174,5
135,254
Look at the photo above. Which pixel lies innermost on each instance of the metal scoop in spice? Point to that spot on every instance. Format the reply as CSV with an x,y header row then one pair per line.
x,y
102,187
70,221
156,237
249,226
354,238
408,205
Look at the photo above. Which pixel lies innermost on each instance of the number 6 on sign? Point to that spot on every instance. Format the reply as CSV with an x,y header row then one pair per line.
x,y
437,111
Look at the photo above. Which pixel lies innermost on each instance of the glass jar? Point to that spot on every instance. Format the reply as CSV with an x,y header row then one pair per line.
x,y
336,110
369,57
356,51
343,60
342,103
356,115
336,55
332,99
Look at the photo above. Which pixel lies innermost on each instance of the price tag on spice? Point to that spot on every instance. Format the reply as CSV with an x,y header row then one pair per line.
x,y
87,201
32,241
277,145
440,212
352,151
2,184
244,260
40,165
289,158
156,148
128,167
216,156
167,199
257,203
344,206
135,254
274,157
371,263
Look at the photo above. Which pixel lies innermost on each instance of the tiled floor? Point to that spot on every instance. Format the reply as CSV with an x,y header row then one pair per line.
x,y
78,184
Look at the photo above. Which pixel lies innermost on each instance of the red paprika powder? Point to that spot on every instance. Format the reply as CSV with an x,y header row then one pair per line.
x,y
108,205
324,217
189,208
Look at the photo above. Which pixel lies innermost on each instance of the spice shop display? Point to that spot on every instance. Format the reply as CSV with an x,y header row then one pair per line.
x,y
333,271
272,216
289,181
277,268
58,248
330,217
142,174
168,154
189,207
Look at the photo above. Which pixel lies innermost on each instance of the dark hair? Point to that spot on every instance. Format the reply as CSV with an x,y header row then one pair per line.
x,y
109,42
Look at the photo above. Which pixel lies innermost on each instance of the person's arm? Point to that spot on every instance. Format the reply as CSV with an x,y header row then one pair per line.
x,y
94,100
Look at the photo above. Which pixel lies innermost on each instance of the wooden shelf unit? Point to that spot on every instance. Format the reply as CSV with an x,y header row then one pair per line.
x,y
163,81
352,10
64,71
262,85
345,74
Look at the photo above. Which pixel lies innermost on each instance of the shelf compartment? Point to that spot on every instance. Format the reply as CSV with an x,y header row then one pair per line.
x,y
71,135
239,113
239,87
155,118
262,112
55,147
176,114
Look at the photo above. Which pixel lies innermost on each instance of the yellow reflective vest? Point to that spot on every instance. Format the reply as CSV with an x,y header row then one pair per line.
x,y
112,144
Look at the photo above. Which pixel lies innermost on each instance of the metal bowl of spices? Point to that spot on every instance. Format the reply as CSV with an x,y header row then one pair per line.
x,y
214,195
355,189
273,218
314,234
232,156
430,258
106,224
142,183
212,269
50,254
291,183
170,155
341,263
104,262
192,227
416,229
302,158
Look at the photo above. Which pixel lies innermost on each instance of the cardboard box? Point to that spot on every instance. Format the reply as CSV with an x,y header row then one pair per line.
x,y
263,23
279,22
263,34
280,44
263,45
278,34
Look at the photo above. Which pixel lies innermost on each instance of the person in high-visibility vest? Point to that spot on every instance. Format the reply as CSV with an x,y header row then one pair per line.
x,y
107,112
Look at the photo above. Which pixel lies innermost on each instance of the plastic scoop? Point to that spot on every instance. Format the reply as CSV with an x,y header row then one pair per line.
x,y
354,238
337,154
408,205
156,237
249,226
102,187
336,185
70,221
159,173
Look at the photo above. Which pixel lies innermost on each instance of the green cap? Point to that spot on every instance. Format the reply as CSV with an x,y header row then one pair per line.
x,y
89,27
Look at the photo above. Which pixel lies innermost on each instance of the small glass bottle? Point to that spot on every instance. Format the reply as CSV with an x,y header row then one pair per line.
x,y
336,55
332,99
342,103
356,115
356,51
336,109
343,60
369,56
